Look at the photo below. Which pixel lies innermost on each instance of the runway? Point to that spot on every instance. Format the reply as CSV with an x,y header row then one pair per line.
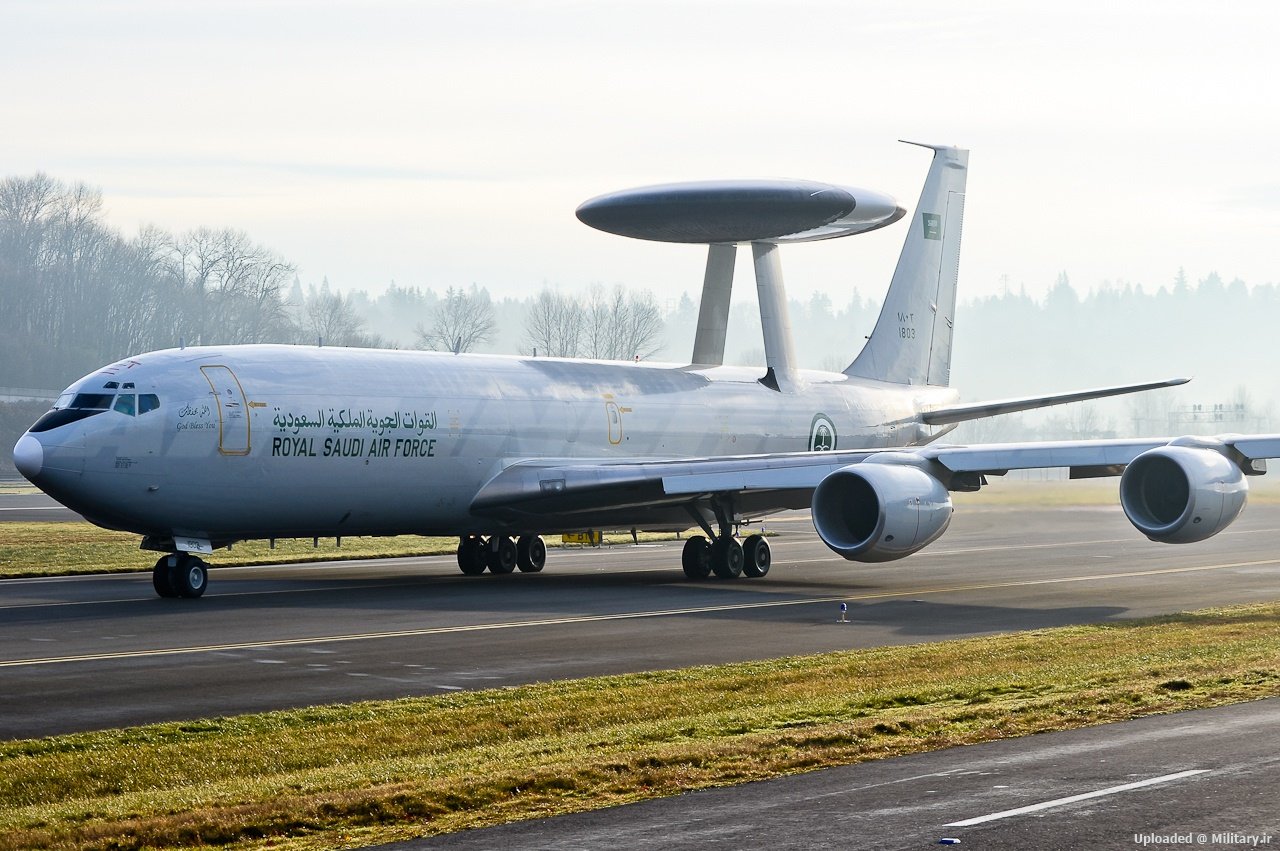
x,y
84,653
1198,779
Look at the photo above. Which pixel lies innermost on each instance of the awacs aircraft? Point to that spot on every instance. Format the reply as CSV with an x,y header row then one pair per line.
x,y
196,448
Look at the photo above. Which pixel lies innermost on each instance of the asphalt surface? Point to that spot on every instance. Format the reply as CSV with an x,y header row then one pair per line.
x,y
94,652
1202,779
33,507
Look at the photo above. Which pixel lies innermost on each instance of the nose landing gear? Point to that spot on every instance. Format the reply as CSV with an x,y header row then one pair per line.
x,y
180,575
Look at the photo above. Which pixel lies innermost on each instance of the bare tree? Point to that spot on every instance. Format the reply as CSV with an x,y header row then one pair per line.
x,y
461,322
329,316
232,289
553,326
613,325
635,325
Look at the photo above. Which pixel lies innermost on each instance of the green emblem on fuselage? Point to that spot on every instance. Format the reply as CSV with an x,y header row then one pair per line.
x,y
822,434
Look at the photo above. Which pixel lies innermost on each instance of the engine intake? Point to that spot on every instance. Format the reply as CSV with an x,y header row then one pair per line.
x,y
880,510
1182,494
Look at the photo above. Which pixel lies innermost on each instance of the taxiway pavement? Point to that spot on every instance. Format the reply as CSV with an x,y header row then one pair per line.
x,y
83,653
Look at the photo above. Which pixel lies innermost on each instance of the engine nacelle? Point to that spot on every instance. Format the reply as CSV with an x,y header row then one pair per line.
x,y
880,510
1182,494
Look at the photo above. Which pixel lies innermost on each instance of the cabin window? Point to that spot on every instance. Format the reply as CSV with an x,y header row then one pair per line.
x,y
147,402
125,404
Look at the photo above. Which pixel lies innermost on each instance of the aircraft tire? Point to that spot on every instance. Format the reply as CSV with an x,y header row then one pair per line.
x,y
756,556
726,558
189,576
501,559
696,558
471,555
531,553
160,578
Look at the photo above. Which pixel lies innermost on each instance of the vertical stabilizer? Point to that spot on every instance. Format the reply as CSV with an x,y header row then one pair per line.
x,y
911,343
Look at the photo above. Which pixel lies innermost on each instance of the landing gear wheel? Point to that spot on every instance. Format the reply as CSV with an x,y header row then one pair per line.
x,y
160,577
188,576
756,556
696,558
500,554
726,558
471,555
531,553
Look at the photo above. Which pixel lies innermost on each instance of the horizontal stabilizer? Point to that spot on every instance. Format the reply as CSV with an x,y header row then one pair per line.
x,y
978,410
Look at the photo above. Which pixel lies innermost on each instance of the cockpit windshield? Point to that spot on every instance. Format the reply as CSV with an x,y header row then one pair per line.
x,y
72,407
92,401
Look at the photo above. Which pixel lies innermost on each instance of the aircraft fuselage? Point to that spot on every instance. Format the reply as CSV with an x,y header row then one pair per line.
x,y
283,441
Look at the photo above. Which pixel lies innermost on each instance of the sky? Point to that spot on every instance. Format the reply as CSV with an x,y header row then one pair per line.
x,y
445,143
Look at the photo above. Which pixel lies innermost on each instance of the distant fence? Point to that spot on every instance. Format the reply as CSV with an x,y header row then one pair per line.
x,y
26,394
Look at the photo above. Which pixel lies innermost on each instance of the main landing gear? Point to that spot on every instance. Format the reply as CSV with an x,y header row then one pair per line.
x,y
722,554
180,575
725,557
500,554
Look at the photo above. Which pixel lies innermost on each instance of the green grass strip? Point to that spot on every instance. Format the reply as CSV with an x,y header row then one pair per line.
x,y
60,549
372,772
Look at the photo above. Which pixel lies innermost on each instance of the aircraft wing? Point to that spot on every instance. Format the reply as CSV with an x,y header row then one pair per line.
x,y
979,410
548,487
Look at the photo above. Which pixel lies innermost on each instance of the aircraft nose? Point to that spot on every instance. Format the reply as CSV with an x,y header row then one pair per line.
x,y
28,456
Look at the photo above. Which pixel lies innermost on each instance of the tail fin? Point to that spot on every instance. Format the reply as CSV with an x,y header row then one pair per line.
x,y
911,343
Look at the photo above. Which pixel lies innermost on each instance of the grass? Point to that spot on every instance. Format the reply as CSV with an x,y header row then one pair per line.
x,y
50,549
57,549
342,776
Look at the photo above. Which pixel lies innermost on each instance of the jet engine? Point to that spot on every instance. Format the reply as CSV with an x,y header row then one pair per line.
x,y
1179,494
880,510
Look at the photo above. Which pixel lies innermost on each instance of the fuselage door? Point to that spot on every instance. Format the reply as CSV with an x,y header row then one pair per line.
x,y
233,411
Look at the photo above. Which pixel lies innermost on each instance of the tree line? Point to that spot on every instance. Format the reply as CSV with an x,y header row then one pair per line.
x,y
75,294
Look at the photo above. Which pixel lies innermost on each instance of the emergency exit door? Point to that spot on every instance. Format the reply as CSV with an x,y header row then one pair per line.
x,y
233,411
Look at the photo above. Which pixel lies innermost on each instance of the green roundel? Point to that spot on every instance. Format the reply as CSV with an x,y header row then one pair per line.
x,y
822,434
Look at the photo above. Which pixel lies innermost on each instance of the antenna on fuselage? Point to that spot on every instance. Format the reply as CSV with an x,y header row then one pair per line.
x,y
726,213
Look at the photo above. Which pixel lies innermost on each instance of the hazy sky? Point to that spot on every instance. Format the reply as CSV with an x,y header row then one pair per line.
x,y
446,143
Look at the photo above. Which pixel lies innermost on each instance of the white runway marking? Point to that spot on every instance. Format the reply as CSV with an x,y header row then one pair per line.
x,y
1058,802
615,616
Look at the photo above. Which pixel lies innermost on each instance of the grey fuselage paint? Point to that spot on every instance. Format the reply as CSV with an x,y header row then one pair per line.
x,y
269,441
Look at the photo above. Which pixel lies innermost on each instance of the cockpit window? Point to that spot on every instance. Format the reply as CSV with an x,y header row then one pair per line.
x,y
73,407
93,401
112,385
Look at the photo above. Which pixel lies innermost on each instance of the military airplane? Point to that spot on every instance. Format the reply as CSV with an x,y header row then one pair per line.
x,y
195,448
